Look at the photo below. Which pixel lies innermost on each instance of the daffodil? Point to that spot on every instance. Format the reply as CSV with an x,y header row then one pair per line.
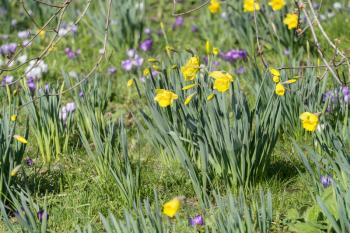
x,y
20,139
280,90
309,121
251,5
130,82
189,98
210,97
277,4
189,87
290,81
222,80
191,68
214,6
171,207
275,75
164,97
291,20
216,51
152,59
207,47
146,72
14,171
41,34
13,117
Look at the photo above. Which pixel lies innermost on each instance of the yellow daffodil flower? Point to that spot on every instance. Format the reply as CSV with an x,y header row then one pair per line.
x,y
309,121
130,82
280,90
20,139
275,75
214,6
222,80
15,171
290,81
171,207
189,87
210,97
13,117
250,5
216,51
277,4
189,98
291,20
164,97
191,68
207,47
146,72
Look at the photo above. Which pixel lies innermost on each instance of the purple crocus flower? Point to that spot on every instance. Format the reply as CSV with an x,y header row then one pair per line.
x,y
146,45
326,181
234,55
196,221
29,162
134,60
345,90
194,28
81,94
127,65
7,80
23,34
179,21
31,85
112,70
8,49
26,43
42,214
71,54
240,70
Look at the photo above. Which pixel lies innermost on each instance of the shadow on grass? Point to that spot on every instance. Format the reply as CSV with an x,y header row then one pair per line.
x,y
283,170
44,181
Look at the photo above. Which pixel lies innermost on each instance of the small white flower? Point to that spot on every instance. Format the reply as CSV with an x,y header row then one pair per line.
x,y
320,127
22,59
337,6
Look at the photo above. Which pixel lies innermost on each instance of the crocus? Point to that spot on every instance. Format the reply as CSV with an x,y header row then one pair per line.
x,y
326,181
112,70
42,214
71,54
146,45
233,55
179,21
29,162
134,60
7,80
31,85
23,34
8,49
36,69
198,220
